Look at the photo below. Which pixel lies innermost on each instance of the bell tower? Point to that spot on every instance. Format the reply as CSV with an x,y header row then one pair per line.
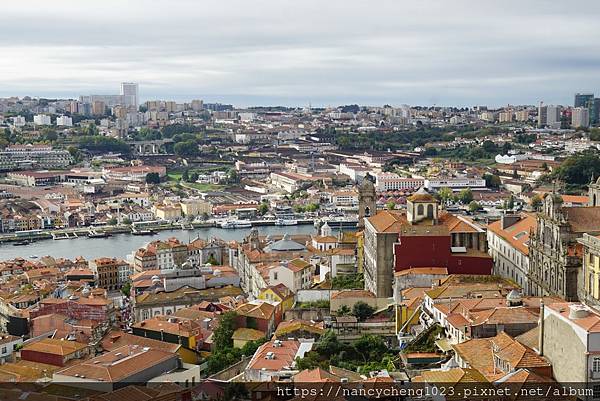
x,y
594,192
367,202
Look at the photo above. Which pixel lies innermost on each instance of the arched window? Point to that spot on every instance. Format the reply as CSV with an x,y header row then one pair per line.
x,y
367,211
430,211
420,210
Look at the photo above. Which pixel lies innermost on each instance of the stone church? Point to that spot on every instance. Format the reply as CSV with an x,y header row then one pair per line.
x,y
554,252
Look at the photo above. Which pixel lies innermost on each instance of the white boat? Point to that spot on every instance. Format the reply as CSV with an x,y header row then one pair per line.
x,y
285,222
33,257
236,224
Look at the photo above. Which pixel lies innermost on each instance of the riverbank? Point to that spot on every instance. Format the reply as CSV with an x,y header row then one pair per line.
x,y
63,234
122,244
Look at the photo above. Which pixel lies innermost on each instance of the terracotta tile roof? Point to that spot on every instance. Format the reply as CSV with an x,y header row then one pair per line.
x,y
453,377
517,354
55,347
504,315
290,326
257,310
247,334
283,355
117,339
423,270
330,239
314,376
170,324
281,291
118,364
530,338
459,224
517,234
479,354
388,221
590,323
129,393
576,198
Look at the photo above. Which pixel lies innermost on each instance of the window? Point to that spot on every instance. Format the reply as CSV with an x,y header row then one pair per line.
x,y
420,210
3,350
596,364
596,392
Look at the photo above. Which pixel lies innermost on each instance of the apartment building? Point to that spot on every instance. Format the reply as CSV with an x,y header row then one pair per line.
x,y
508,242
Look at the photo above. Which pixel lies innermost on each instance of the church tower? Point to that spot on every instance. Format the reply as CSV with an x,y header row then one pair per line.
x,y
367,201
594,192
421,206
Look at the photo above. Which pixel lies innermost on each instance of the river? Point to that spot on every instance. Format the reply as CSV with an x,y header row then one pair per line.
x,y
122,245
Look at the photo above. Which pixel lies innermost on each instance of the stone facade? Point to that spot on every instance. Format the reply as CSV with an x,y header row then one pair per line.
x,y
367,200
555,256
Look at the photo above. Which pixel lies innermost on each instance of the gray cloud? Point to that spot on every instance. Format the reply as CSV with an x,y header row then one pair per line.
x,y
326,52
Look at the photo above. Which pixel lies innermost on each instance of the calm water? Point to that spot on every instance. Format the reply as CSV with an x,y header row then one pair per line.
x,y
121,245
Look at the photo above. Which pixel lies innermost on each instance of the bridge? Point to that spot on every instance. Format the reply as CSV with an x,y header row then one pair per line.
x,y
153,147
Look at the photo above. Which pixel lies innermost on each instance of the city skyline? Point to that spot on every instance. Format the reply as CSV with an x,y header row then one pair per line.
x,y
324,54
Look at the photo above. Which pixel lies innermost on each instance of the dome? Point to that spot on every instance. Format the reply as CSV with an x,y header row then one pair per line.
x,y
421,196
154,278
514,296
285,245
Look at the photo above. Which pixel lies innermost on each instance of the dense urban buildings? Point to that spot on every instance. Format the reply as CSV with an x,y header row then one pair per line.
x,y
195,243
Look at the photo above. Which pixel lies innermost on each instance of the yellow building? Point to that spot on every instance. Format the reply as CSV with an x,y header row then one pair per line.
x,y
591,269
360,241
167,212
278,293
407,312
195,207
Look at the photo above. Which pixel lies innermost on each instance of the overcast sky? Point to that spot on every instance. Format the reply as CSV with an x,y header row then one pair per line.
x,y
327,52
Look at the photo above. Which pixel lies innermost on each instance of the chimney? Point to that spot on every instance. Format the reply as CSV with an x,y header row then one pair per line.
x,y
541,330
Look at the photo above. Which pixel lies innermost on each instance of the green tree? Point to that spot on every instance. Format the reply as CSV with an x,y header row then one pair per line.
x,y
391,205
152,178
232,175
362,310
312,207
371,347
474,206
126,289
343,310
328,344
489,146
91,130
263,208
444,194
75,153
576,170
222,336
193,176
49,134
186,149
185,176
112,222
536,202
465,196
492,180
126,221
